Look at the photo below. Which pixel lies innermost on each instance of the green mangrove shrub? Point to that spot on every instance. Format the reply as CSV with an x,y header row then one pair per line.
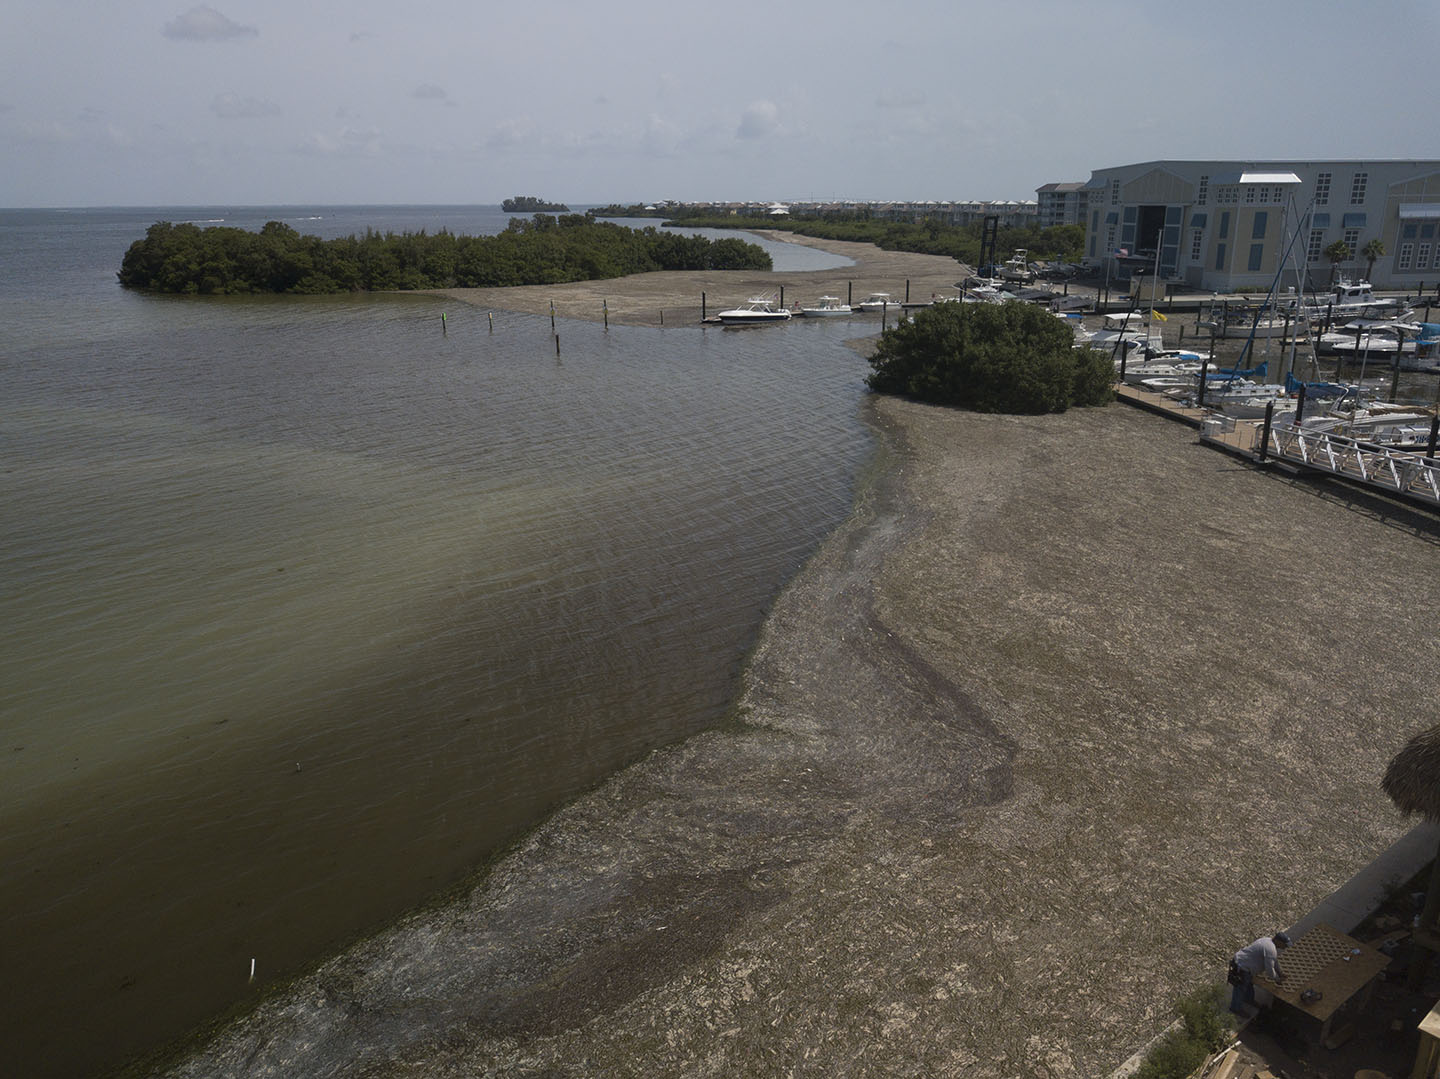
x,y
1010,357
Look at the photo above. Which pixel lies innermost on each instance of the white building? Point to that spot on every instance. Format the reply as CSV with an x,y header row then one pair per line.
x,y
1226,225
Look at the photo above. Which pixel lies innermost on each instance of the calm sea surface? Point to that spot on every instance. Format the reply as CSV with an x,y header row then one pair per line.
x,y
308,606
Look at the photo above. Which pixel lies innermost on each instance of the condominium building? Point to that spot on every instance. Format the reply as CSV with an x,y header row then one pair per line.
x,y
1060,204
1227,225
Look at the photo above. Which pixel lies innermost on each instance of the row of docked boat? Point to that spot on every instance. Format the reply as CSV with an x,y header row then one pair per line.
x,y
763,309
1352,409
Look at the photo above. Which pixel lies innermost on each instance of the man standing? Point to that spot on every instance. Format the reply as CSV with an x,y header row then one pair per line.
x,y
1258,957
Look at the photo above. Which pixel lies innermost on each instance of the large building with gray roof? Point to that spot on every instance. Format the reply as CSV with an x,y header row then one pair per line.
x,y
1228,225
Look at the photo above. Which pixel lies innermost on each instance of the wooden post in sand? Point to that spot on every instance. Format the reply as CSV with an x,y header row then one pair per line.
x,y
702,309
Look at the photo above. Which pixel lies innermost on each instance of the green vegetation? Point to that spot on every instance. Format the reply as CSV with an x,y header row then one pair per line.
x,y
1337,253
1206,1028
529,204
1010,357
1064,243
542,250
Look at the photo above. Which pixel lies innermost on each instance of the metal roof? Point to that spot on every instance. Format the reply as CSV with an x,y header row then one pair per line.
x,y
1428,211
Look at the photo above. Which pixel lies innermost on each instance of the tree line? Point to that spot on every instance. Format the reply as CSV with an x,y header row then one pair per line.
x,y
927,236
542,250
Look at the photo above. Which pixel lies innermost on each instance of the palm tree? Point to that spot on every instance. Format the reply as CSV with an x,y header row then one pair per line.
x,y
1337,253
1375,249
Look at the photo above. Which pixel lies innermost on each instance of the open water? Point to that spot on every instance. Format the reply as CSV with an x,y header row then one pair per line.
x,y
308,606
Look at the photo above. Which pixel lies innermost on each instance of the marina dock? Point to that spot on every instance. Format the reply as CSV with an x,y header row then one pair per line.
x,y
1412,476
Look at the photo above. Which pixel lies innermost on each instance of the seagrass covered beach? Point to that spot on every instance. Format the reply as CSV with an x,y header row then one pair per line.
x,y
1069,708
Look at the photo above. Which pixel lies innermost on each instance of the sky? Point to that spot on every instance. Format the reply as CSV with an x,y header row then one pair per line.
x,y
279,102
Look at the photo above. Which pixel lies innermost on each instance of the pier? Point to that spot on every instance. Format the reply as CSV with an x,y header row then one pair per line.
x,y
1412,476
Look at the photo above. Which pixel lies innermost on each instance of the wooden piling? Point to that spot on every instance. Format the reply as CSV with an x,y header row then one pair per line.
x,y
1395,370
1265,430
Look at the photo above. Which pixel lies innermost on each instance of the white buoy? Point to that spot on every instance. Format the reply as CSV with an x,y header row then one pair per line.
x,y
252,970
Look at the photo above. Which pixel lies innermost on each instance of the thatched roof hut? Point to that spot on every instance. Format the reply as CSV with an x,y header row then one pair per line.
x,y
1413,778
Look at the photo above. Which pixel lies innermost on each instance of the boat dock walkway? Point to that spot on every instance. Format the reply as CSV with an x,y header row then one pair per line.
x,y
1412,476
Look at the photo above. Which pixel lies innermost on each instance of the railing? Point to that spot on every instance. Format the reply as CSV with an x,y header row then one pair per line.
x,y
1395,470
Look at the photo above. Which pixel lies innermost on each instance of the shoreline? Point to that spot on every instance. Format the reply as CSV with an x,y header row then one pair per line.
x,y
640,299
990,803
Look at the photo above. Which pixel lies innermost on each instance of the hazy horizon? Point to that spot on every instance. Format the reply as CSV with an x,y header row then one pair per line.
x,y
260,103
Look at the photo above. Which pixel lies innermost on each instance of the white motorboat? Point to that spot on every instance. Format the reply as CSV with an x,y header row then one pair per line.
x,y
1017,267
878,302
826,307
1353,299
758,309
1370,336
1128,329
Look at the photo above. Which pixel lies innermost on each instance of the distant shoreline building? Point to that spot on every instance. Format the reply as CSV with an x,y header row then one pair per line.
x,y
1060,204
1227,225
1011,214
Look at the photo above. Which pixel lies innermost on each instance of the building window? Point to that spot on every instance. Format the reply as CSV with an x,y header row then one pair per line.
x,y
1114,192
1427,232
1317,243
1204,191
1195,249
1322,189
1257,253
1257,232
1407,252
1219,256
1225,224
1408,232
1249,192
1352,241
1357,188
1422,256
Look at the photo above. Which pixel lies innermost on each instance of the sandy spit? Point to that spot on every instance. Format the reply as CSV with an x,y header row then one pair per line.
x,y
674,298
1069,709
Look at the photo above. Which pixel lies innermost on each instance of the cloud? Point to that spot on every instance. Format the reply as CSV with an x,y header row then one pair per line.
x,y
348,142
428,91
513,131
204,23
235,107
759,121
